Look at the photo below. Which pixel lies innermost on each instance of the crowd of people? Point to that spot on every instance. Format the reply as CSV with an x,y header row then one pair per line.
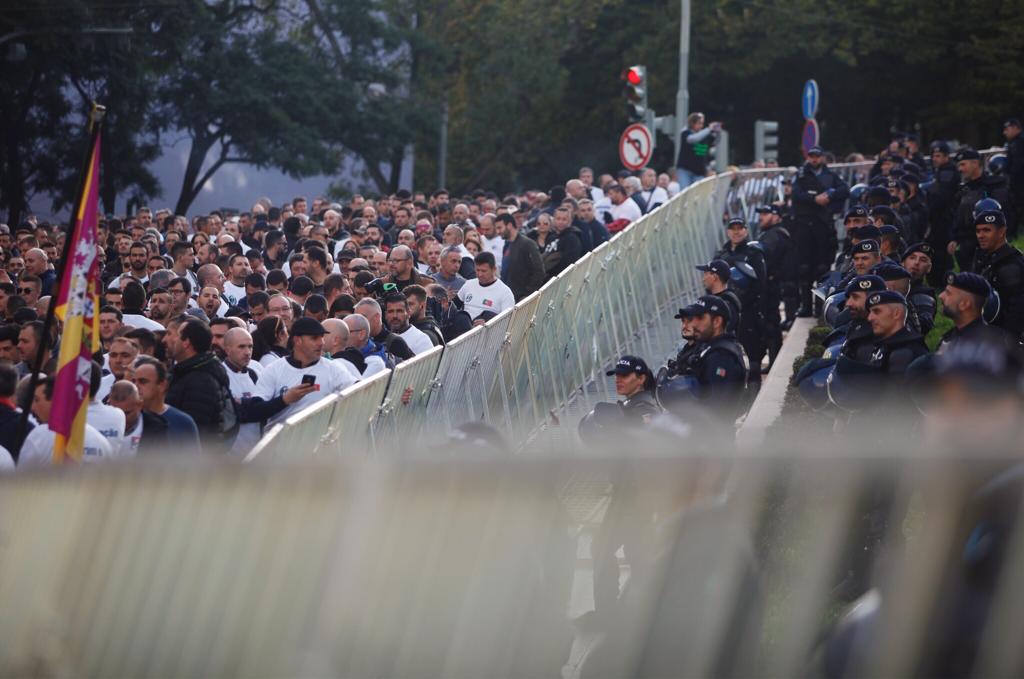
x,y
918,237
217,326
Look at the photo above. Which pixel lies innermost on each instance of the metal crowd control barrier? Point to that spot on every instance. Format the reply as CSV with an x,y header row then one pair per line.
x,y
524,365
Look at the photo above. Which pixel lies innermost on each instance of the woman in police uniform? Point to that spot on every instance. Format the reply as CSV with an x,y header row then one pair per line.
x,y
635,381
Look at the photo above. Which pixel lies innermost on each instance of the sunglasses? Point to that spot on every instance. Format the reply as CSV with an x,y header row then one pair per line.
x,y
24,290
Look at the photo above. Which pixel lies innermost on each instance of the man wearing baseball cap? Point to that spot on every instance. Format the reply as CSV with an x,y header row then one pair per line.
x,y
305,365
1002,265
780,280
817,192
716,282
721,369
748,262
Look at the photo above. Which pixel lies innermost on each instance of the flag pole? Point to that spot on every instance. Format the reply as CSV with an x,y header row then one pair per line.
x,y
95,122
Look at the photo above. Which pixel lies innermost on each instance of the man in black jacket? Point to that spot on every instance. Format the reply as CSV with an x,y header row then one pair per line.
x,y
9,413
522,268
939,197
817,192
567,243
1002,265
1015,158
977,185
199,382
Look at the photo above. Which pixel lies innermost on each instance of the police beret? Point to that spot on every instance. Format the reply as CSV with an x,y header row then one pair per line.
x,y
879,193
869,231
710,304
857,211
867,283
867,245
885,297
923,248
629,365
890,271
892,182
969,282
888,230
893,158
911,178
912,168
719,267
884,212
995,217
967,153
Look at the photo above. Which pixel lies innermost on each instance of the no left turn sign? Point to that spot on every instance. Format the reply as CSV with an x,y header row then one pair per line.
x,y
635,147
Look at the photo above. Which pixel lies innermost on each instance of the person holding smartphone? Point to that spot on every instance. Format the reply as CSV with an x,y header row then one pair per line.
x,y
304,366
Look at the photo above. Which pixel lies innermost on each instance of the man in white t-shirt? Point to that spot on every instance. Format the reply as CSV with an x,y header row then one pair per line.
x,y
493,242
105,419
305,363
485,296
234,287
650,191
623,207
37,450
396,312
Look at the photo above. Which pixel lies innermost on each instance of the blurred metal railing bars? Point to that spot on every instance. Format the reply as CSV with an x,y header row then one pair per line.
x,y
529,362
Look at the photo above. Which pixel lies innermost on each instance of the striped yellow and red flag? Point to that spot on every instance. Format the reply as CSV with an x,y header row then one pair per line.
x,y
78,301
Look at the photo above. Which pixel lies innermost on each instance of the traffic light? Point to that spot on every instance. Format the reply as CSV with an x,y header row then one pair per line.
x,y
766,140
635,78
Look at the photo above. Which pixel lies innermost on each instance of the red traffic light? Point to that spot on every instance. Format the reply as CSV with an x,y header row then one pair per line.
x,y
633,75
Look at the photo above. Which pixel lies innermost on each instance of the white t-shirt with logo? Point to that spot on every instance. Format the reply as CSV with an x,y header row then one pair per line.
x,y
243,387
416,339
478,298
37,451
495,246
233,294
107,420
282,375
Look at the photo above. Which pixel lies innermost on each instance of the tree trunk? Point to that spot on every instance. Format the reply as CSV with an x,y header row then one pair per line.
x,y
201,145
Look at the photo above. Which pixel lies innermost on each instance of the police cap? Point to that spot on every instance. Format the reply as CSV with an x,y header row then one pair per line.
x,y
736,221
815,151
710,304
940,146
869,231
879,193
772,209
969,282
923,248
890,271
1011,122
885,297
967,153
993,217
867,245
719,267
868,283
629,365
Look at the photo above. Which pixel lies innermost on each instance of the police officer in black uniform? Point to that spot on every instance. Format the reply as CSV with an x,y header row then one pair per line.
x,y
917,260
1002,265
635,381
963,300
897,278
780,268
721,367
856,334
686,357
855,219
1015,163
912,210
817,193
716,276
748,284
977,185
939,196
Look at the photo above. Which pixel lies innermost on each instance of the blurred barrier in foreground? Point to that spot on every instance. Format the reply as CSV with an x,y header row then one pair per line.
x,y
528,362
474,567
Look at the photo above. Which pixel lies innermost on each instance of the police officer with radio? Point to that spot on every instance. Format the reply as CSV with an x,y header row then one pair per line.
x,y
1002,265
748,282
817,192
721,366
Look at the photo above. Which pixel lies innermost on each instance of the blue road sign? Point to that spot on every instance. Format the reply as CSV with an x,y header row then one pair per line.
x,y
809,100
